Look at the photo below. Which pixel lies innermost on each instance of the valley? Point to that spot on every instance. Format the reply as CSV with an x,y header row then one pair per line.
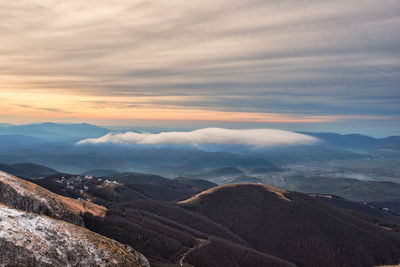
x,y
174,223
313,205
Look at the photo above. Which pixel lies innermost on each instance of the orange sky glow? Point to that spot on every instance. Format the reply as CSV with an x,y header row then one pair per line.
x,y
44,105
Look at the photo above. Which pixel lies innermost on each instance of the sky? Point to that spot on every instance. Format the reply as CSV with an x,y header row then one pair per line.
x,y
297,65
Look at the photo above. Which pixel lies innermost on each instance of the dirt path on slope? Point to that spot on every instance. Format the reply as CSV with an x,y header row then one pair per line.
x,y
201,243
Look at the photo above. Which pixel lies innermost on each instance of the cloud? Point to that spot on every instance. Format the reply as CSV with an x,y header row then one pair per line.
x,y
208,136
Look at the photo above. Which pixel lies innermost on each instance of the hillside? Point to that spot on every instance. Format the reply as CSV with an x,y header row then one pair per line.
x,y
20,194
28,239
154,186
198,184
295,227
99,172
167,235
27,170
392,206
372,209
232,225
352,189
348,188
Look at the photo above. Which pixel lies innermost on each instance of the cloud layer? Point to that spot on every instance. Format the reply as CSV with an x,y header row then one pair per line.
x,y
208,136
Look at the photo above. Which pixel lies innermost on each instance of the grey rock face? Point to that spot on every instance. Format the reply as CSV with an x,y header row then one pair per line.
x,y
28,239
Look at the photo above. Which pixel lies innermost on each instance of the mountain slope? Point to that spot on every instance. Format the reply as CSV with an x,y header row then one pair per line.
x,y
392,205
295,227
167,235
27,170
24,195
198,184
376,210
154,186
28,239
233,225
99,172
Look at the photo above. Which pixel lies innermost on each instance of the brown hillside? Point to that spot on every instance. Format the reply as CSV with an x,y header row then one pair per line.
x,y
24,195
235,225
296,227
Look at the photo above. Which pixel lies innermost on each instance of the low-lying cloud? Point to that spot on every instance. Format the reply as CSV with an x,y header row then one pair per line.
x,y
208,136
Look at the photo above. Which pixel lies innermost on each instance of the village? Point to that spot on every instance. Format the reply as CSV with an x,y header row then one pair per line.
x,y
82,182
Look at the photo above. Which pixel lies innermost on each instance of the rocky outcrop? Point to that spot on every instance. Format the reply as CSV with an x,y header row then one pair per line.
x,y
20,194
28,239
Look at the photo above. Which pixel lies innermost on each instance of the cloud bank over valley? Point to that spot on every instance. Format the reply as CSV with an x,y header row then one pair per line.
x,y
208,136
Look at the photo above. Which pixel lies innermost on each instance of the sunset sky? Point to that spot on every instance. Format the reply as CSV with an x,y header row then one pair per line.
x,y
299,65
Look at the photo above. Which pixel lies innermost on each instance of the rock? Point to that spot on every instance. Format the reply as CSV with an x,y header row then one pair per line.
x,y
28,239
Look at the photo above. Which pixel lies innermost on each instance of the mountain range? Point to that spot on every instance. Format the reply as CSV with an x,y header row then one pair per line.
x,y
177,223
334,202
53,132
54,145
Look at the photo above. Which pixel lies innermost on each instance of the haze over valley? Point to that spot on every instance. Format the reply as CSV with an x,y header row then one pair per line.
x,y
351,166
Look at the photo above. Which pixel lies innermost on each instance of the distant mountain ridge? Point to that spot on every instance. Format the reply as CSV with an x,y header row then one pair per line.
x,y
357,140
55,132
54,145
50,131
27,170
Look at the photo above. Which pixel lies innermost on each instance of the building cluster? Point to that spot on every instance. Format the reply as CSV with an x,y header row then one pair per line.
x,y
78,182
71,181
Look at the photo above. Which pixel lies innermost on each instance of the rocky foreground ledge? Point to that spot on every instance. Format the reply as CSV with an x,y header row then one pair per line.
x,y
28,239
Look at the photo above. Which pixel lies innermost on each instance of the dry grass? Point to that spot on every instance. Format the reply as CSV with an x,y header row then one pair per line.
x,y
74,205
280,193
